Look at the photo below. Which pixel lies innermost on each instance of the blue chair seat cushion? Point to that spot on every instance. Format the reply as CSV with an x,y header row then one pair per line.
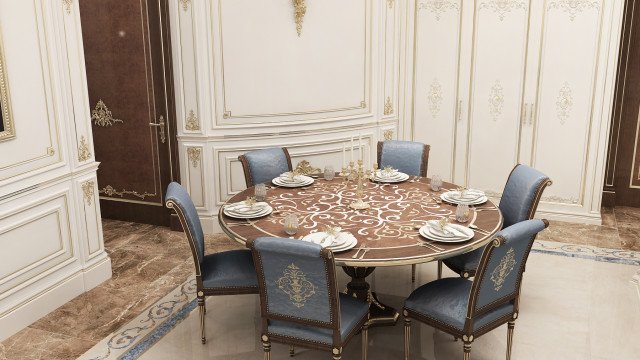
x,y
446,300
229,269
352,312
467,262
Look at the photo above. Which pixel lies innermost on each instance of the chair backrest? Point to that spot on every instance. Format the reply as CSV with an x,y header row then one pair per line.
x,y
409,157
499,273
179,200
522,194
297,282
261,166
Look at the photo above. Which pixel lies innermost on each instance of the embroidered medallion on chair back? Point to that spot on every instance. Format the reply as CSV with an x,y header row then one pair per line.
x,y
295,284
504,268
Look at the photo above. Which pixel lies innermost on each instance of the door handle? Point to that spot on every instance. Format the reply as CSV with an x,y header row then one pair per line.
x,y
161,123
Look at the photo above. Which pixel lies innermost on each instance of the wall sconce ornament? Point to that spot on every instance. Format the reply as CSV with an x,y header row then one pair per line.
x,y
299,9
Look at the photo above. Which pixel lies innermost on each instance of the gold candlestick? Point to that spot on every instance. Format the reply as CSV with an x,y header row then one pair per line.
x,y
360,175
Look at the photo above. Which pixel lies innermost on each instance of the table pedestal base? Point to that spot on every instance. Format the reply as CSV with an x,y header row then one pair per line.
x,y
379,313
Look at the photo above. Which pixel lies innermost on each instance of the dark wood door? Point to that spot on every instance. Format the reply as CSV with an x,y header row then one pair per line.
x,y
622,180
128,60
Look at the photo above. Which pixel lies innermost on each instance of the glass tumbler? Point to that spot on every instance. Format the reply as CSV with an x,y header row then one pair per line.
x,y
291,224
261,192
462,213
436,183
329,173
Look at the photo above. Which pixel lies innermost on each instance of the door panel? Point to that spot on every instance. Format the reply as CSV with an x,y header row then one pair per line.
x,y
496,92
567,76
436,68
126,72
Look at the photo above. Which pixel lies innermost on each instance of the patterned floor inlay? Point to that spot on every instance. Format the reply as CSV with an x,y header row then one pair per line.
x,y
151,263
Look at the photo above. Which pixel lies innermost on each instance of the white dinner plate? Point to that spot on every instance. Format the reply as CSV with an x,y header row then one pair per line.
x,y
426,232
453,200
399,177
345,241
285,182
238,215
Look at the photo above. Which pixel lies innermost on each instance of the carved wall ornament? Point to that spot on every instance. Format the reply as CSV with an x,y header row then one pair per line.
x,y
388,106
67,5
185,4
388,134
305,168
574,7
439,7
50,151
88,191
7,128
435,98
363,104
299,10
496,100
192,123
390,3
564,103
503,7
101,115
560,199
194,156
111,191
504,268
83,150
295,284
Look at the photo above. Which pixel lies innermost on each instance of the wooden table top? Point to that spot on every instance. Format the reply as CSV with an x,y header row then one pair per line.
x,y
387,229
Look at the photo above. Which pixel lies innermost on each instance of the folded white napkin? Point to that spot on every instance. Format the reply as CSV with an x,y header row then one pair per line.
x,y
243,207
449,231
469,195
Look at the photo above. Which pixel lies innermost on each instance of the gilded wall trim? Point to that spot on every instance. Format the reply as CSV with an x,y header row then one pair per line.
x,y
111,191
83,150
88,191
67,5
185,4
496,100
574,7
194,156
102,116
388,106
299,11
192,123
391,3
504,7
388,134
8,129
439,7
564,103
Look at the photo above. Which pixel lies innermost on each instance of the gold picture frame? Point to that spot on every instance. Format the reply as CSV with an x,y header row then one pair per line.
x,y
7,129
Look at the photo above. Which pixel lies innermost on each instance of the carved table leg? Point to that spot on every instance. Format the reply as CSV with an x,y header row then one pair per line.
x,y
379,313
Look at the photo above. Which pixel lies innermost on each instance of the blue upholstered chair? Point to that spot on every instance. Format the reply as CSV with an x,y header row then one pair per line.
x,y
300,300
409,157
223,273
518,203
261,166
468,309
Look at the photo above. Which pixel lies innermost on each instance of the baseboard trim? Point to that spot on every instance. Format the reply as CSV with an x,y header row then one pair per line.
x,y
592,219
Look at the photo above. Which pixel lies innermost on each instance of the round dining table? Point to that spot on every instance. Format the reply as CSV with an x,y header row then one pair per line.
x,y
387,232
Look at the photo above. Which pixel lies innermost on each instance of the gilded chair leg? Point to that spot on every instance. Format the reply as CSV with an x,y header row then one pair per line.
x,y
365,342
292,350
413,273
467,350
510,327
266,346
439,269
202,312
337,353
407,336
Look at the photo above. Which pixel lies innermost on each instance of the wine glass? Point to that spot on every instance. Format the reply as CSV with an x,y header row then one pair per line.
x,y
436,182
291,224
261,192
329,173
462,213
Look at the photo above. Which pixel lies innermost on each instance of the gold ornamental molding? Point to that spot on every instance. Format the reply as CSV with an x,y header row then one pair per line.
x,y
574,7
390,3
496,100
388,106
185,4
388,134
192,123
67,5
503,7
8,129
564,103
88,191
439,7
111,191
194,156
435,98
299,11
83,150
102,116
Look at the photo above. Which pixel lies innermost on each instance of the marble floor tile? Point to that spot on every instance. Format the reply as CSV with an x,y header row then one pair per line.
x,y
630,238
627,216
608,217
34,344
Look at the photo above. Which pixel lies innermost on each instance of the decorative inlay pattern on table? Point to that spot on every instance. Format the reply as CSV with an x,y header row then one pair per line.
x,y
387,229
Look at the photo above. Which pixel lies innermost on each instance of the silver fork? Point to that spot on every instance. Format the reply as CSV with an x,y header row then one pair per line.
x,y
357,252
366,250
